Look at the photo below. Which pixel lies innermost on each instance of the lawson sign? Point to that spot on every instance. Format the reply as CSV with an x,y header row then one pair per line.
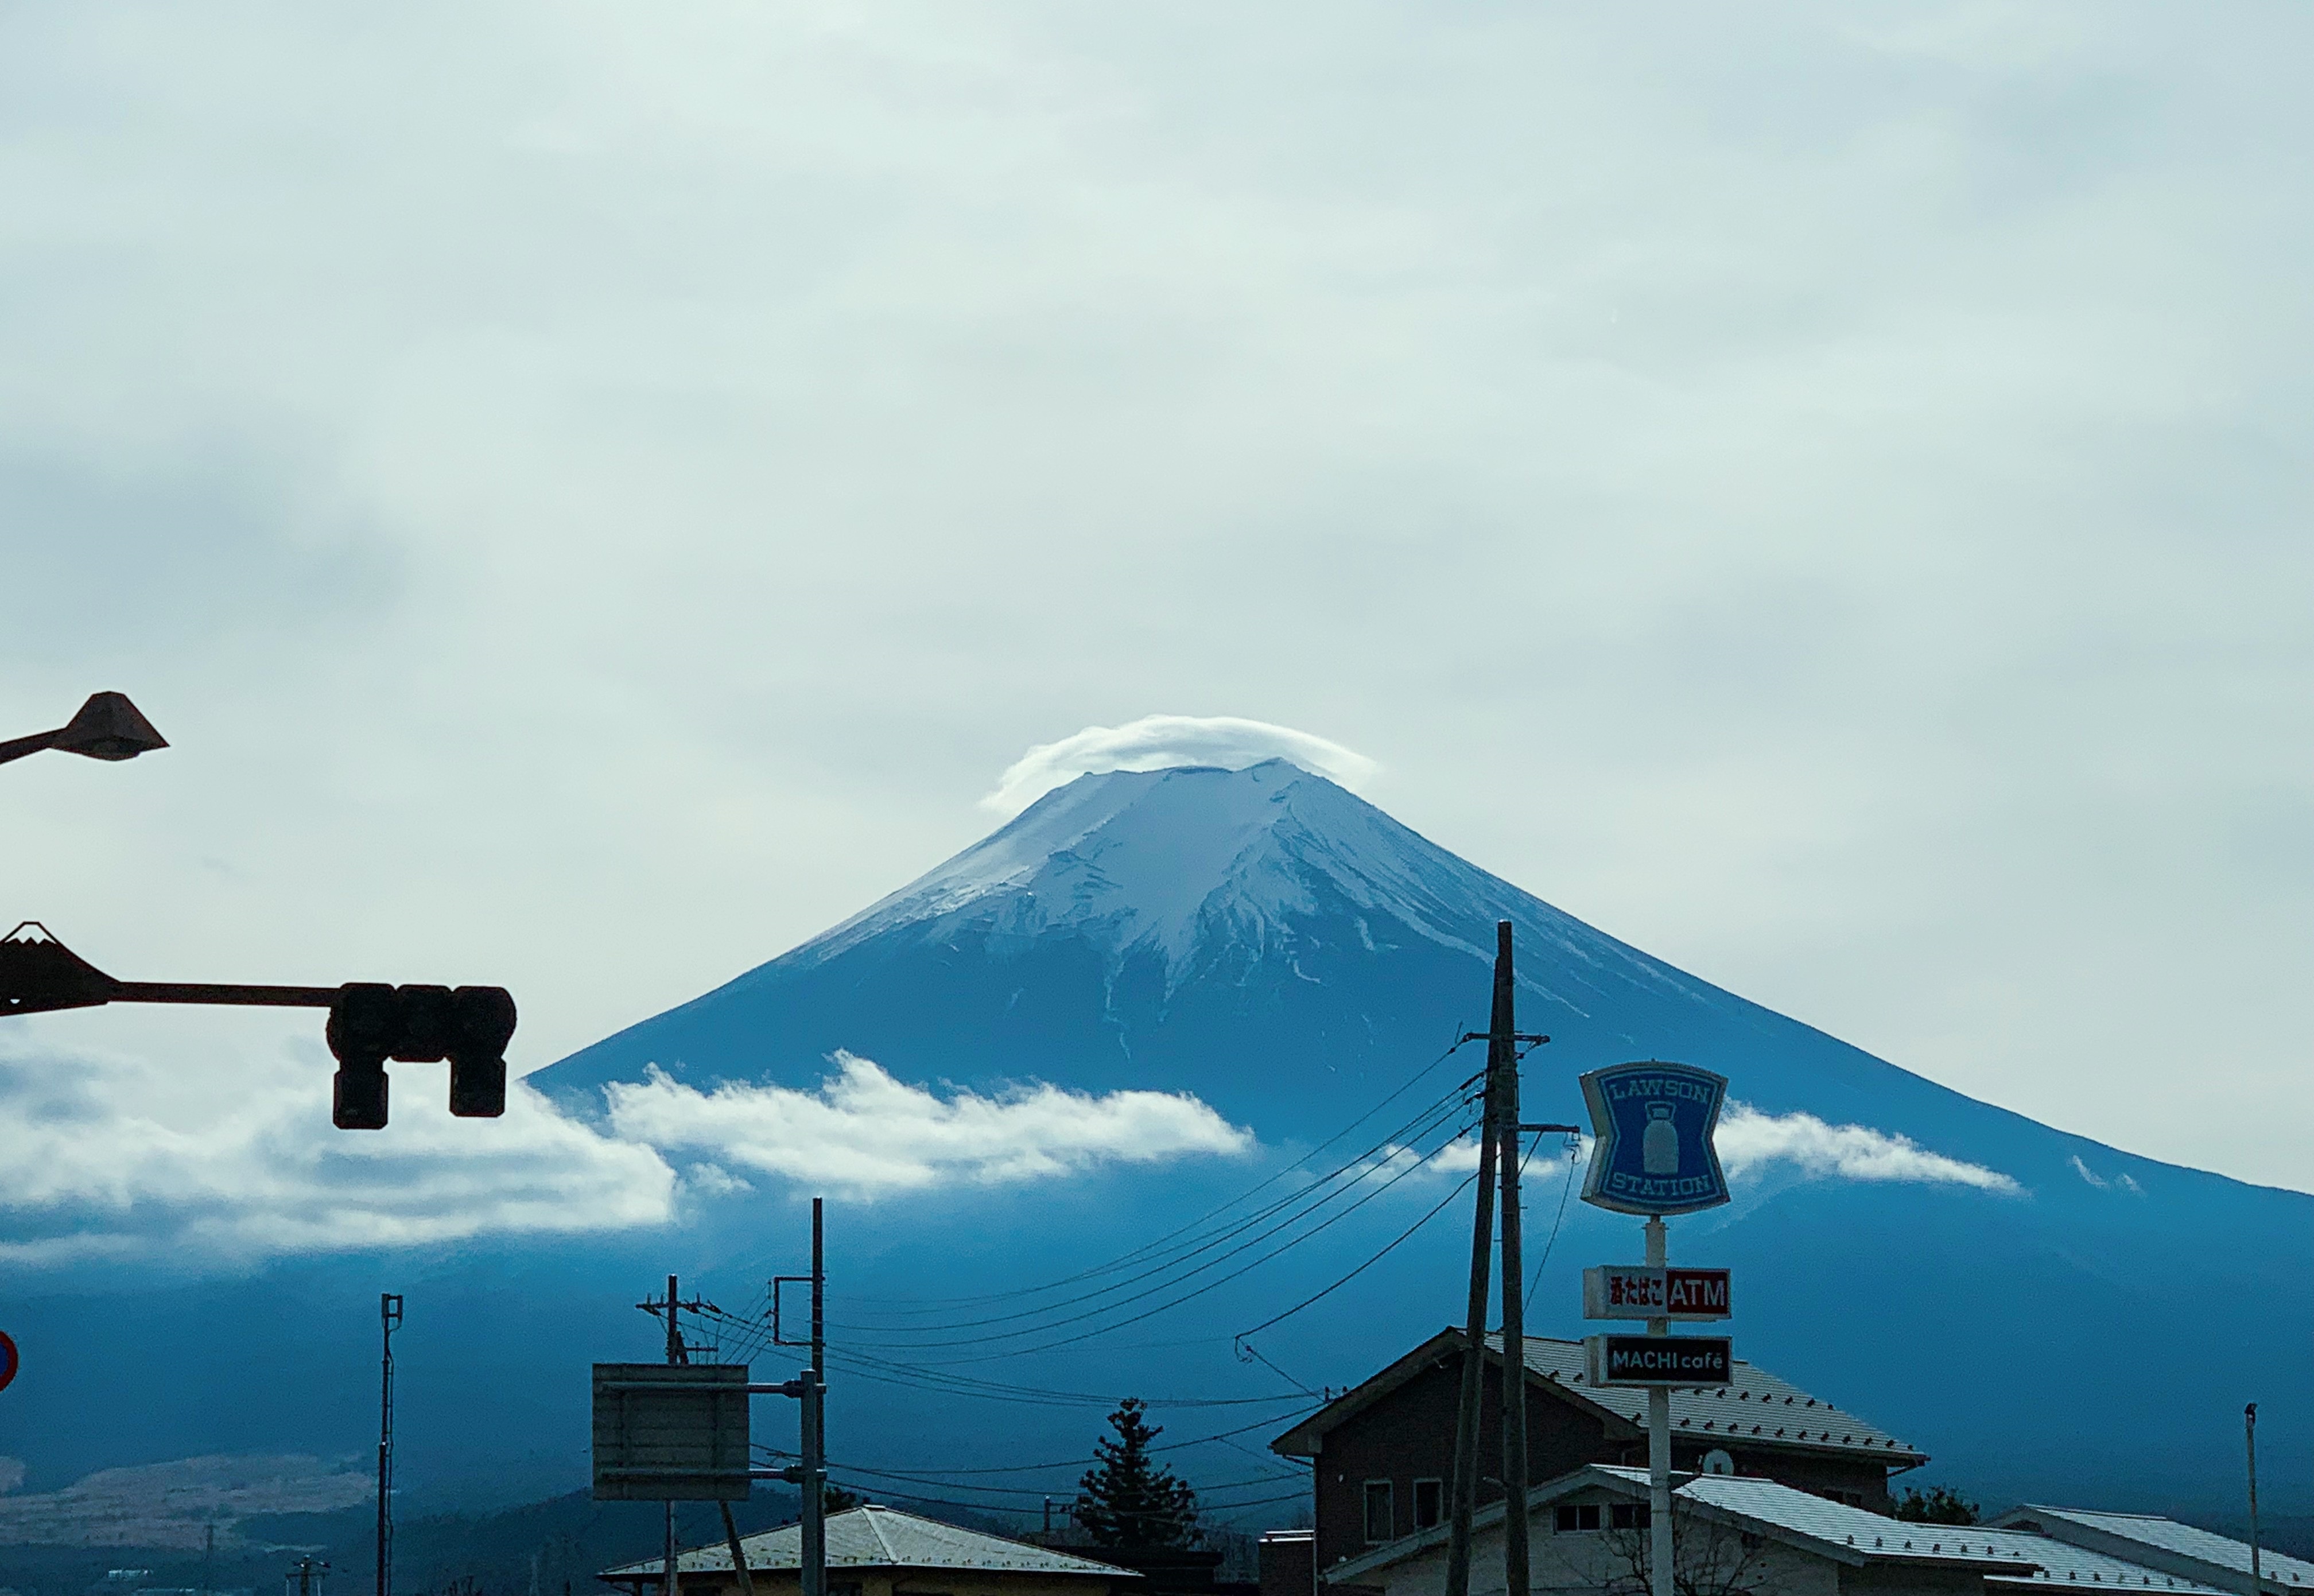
x,y
1655,1123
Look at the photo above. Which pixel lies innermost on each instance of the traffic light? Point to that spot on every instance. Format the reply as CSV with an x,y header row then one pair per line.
x,y
371,1023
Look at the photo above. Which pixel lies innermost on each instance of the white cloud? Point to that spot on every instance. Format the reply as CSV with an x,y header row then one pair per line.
x,y
867,1132
103,1155
1749,1140
1157,741
202,1161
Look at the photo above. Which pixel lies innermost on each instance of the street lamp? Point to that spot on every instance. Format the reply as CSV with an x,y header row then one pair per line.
x,y
108,726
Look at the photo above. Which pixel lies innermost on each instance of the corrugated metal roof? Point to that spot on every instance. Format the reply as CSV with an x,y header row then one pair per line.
x,y
875,1537
2183,1540
1835,1523
1756,1408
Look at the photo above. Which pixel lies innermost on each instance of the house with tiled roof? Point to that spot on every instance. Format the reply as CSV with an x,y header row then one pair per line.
x,y
1383,1452
880,1551
1587,1532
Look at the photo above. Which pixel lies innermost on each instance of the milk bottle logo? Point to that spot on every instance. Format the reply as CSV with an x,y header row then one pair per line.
x,y
1659,1148
1655,1123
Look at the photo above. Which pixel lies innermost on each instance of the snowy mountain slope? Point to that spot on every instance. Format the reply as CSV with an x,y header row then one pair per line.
x,y
1272,943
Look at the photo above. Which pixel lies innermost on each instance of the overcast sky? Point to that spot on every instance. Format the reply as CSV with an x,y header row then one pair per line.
x,y
596,494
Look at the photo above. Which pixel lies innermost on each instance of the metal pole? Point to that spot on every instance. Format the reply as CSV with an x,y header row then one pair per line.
x,y
389,1316
815,1432
1659,1550
1465,1487
1502,1064
674,1356
2249,1439
738,1554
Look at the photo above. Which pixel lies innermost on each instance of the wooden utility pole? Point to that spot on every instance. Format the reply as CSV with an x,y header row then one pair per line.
x,y
1464,1493
1498,1161
1503,1070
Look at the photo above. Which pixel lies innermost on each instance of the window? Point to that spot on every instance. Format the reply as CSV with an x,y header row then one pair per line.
x,y
1378,1511
1427,1495
1633,1515
1577,1515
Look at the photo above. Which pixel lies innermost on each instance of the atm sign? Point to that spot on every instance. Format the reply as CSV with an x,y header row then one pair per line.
x,y
1619,1290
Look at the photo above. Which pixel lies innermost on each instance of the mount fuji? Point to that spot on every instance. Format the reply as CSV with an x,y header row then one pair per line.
x,y
2036,1309
1173,987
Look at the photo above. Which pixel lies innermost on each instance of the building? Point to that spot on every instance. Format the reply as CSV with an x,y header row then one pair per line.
x,y
877,1551
1747,1537
1383,1451
2164,1544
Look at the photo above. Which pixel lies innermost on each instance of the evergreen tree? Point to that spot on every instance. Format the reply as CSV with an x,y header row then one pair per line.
x,y
1941,1505
1126,1501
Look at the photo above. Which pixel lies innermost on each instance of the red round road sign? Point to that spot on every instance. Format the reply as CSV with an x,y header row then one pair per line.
x,y
8,1360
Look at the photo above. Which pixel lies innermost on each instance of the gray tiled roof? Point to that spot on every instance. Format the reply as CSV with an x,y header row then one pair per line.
x,y
875,1537
1755,1409
2213,1551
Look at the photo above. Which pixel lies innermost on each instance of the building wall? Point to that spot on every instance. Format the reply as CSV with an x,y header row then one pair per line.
x,y
1408,1436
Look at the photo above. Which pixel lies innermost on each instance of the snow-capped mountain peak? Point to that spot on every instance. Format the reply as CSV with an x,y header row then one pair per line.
x,y
1186,861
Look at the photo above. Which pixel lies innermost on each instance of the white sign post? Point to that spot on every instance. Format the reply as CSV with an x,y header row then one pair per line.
x,y
1654,1156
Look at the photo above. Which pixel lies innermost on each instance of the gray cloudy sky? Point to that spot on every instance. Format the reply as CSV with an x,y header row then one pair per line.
x,y
596,494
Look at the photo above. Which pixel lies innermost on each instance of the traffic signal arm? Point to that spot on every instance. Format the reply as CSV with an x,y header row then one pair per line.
x,y
210,991
369,1023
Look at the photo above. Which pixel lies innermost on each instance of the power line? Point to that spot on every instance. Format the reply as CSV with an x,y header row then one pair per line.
x,y
934,1305
1391,1246
1319,1200
1215,1285
1574,1153
1315,1196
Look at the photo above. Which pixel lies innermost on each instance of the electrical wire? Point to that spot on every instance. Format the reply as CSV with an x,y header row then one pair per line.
x,y
1463,1185
1411,1168
1574,1156
1311,1196
936,1304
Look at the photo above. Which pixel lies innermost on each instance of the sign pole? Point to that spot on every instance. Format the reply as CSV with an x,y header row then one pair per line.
x,y
1659,1568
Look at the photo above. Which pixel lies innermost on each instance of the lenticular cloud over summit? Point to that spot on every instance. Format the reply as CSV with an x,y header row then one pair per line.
x,y
1156,742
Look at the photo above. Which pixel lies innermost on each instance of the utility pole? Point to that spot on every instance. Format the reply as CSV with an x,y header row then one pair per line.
x,y
1503,1073
208,1561
814,1440
1465,1486
389,1315
308,1574
677,1353
810,1387
1499,1160
2249,1440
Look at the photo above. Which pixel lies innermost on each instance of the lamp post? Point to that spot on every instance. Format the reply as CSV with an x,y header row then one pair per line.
x,y
108,726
